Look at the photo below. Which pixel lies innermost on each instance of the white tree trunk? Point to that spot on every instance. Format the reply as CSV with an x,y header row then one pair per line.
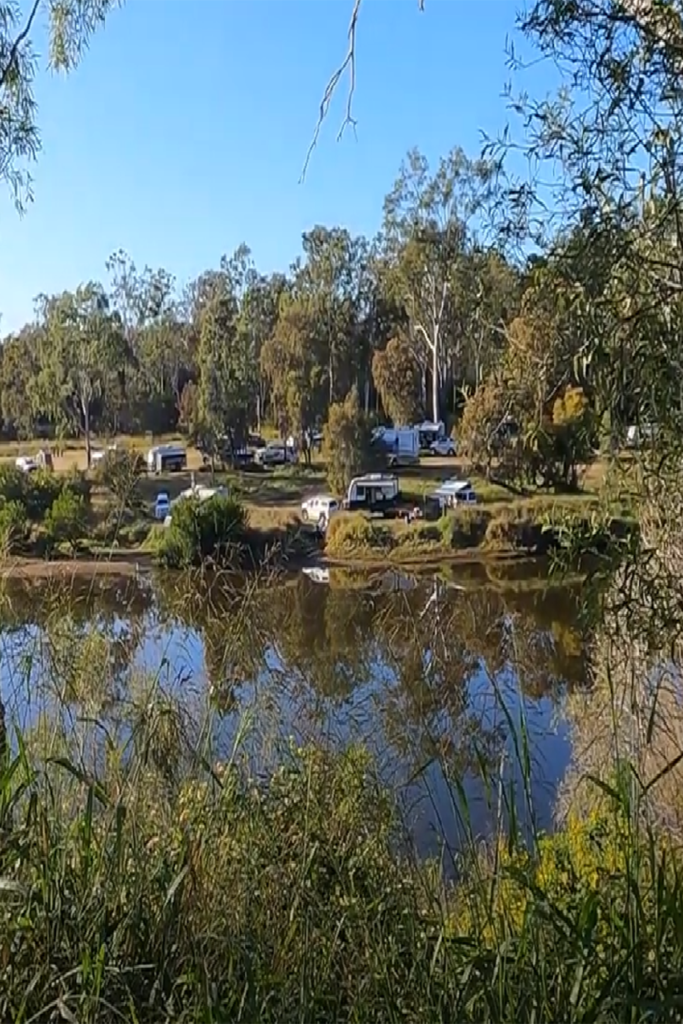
x,y
435,383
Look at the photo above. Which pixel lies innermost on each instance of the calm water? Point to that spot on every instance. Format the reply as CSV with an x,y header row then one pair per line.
x,y
439,677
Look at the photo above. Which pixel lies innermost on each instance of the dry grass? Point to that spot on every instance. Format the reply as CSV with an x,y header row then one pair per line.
x,y
272,518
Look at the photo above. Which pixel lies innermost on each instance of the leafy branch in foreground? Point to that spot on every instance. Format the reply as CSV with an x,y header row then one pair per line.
x,y
71,23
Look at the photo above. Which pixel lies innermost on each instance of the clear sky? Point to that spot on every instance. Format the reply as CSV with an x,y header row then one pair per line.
x,y
184,131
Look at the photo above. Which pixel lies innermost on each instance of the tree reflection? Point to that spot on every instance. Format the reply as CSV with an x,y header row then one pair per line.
x,y
416,666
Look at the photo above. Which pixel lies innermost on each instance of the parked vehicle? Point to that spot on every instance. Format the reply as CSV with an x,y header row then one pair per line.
x,y
166,458
454,492
375,492
26,463
402,444
200,493
98,454
636,436
162,506
444,447
317,574
429,432
275,453
320,506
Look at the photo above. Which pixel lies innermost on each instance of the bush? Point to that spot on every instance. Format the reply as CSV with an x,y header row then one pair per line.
x,y
37,491
209,530
14,528
347,443
66,520
464,528
120,472
223,898
348,533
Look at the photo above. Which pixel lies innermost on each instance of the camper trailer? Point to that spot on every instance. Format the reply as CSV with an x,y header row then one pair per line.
x,y
401,444
375,492
166,458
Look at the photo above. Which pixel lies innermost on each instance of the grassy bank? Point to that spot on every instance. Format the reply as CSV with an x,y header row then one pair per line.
x,y
160,891
527,528
108,513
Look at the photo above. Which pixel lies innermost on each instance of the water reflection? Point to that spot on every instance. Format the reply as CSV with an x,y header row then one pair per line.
x,y
435,675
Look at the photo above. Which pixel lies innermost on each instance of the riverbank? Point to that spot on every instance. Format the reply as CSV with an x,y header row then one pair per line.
x,y
470,536
525,529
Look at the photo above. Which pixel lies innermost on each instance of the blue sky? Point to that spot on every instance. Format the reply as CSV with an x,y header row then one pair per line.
x,y
184,131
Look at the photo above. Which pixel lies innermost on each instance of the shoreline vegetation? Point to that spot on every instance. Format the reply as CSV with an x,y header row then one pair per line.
x,y
90,520
287,897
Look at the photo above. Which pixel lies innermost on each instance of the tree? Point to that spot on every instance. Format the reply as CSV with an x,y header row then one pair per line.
x,y
18,376
333,276
188,410
226,377
397,379
488,297
121,471
573,433
483,435
346,442
258,319
427,223
70,26
82,350
289,361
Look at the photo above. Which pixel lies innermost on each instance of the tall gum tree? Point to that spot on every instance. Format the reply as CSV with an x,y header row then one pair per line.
x,y
83,348
428,224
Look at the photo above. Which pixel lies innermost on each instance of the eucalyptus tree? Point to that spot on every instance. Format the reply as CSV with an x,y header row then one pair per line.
x,y
332,274
226,375
429,221
19,368
82,351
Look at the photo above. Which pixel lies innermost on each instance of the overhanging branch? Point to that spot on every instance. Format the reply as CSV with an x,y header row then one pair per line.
x,y
347,65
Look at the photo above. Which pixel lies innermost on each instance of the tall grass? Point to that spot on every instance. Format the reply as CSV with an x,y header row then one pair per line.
x,y
143,879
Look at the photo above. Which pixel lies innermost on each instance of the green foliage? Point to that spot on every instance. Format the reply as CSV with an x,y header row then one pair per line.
x,y
14,528
225,400
188,411
66,520
82,351
69,28
573,433
348,534
213,530
36,492
397,378
120,471
347,444
285,898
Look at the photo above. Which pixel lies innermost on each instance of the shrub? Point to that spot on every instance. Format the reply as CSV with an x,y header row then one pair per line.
x,y
517,534
14,528
120,472
37,491
12,484
201,531
353,532
347,443
464,528
66,520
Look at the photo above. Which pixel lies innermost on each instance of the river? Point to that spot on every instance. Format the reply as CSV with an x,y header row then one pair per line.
x,y
455,682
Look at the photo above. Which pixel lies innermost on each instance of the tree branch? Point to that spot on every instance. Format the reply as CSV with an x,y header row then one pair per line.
x,y
17,43
349,63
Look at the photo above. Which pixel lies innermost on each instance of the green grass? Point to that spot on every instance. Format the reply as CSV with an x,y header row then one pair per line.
x,y
164,889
